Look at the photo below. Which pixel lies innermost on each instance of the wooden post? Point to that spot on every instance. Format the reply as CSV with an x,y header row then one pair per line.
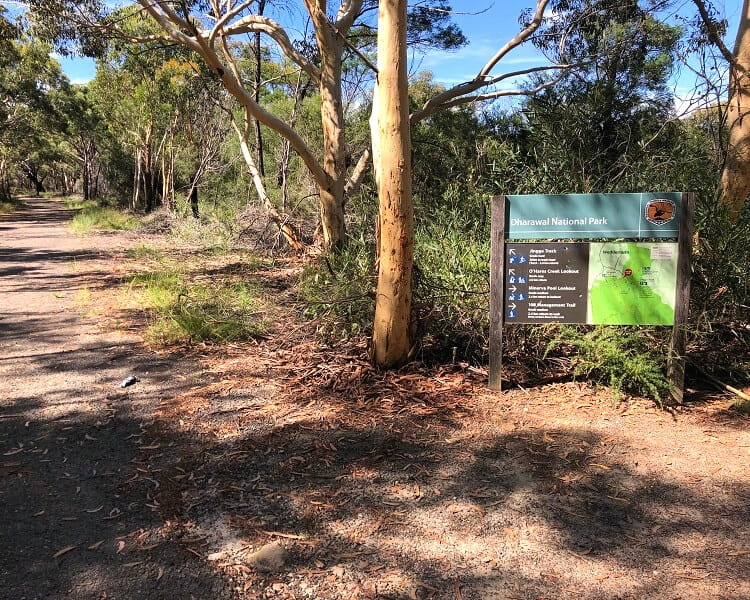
x,y
678,341
497,291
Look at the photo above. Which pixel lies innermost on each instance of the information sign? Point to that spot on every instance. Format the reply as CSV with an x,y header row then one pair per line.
x,y
546,283
590,216
599,283
643,278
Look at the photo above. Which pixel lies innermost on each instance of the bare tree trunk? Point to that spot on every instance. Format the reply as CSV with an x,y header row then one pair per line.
x,y
5,195
391,340
334,142
193,196
258,64
136,198
86,181
32,173
166,180
735,178
149,176
286,229
95,180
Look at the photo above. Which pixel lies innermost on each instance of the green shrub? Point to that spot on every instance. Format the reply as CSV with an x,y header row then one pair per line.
x,y
624,359
339,290
451,284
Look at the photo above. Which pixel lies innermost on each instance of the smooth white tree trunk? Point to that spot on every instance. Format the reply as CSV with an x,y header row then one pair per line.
x,y
391,341
735,177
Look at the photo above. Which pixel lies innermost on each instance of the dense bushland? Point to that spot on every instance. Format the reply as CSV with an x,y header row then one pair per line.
x,y
168,151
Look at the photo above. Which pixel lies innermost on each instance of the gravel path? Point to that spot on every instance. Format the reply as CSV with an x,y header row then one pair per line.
x,y
74,519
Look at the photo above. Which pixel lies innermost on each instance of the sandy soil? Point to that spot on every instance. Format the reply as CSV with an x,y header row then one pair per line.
x,y
74,523
282,469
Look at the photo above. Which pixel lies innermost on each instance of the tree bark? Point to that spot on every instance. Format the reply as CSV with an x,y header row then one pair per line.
x,y
334,142
391,340
735,178
258,65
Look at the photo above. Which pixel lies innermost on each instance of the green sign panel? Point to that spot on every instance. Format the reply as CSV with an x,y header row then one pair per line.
x,y
589,216
600,283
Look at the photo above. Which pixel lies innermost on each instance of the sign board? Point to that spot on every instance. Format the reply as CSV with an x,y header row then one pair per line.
x,y
599,283
643,278
591,216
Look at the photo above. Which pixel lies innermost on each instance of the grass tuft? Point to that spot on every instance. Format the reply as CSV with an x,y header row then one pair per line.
x,y
144,251
182,310
97,217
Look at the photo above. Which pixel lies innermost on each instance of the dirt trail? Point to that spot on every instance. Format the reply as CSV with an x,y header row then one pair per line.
x,y
418,484
71,524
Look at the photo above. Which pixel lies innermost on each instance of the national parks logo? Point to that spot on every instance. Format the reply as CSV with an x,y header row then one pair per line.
x,y
660,211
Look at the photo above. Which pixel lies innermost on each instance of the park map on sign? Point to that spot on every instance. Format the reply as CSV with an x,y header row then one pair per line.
x,y
632,283
599,283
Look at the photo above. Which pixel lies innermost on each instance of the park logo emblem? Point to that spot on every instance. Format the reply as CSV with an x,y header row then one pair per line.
x,y
660,211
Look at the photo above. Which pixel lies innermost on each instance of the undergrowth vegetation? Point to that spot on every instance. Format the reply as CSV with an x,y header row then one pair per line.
x,y
451,294
91,215
10,206
550,144
622,358
185,306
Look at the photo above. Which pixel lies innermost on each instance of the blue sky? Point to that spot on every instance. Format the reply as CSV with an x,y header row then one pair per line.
x,y
488,24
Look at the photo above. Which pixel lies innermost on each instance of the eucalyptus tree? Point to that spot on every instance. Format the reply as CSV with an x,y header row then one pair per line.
x,y
209,30
591,127
392,340
30,123
735,177
736,174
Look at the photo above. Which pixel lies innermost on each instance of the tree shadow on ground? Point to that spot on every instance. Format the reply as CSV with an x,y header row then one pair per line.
x,y
478,512
75,520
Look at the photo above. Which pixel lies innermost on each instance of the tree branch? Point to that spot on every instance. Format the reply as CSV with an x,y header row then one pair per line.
x,y
259,23
225,18
497,94
234,86
713,34
461,93
519,39
348,12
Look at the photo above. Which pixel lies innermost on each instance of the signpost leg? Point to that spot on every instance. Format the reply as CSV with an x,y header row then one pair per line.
x,y
497,291
678,341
